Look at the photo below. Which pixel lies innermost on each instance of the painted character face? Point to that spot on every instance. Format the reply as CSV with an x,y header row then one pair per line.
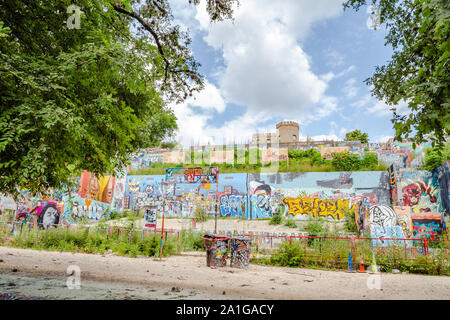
x,y
50,216
411,195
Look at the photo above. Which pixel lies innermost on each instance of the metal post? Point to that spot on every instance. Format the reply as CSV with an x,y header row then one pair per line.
x,y
217,205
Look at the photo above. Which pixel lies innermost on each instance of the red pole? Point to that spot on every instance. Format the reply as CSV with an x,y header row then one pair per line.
x,y
162,236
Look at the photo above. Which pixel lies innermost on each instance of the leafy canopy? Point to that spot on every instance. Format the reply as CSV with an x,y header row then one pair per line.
x,y
418,73
357,135
83,99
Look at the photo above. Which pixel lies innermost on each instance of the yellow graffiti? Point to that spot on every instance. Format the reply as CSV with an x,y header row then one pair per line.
x,y
316,207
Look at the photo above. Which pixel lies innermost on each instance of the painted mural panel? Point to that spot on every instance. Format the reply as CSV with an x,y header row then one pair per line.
x,y
78,210
327,152
273,192
143,191
443,175
419,190
99,189
383,224
119,193
274,154
233,195
316,208
404,220
426,224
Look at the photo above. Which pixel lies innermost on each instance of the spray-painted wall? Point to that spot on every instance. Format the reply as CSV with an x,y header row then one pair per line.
x,y
419,190
317,194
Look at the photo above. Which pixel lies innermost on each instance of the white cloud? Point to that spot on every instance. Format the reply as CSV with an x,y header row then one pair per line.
x,y
350,90
209,99
379,108
265,68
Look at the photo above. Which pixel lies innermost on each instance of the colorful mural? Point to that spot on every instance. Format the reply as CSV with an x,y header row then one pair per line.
x,y
98,189
419,190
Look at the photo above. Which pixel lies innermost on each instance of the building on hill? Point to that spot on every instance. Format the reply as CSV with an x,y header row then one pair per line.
x,y
287,132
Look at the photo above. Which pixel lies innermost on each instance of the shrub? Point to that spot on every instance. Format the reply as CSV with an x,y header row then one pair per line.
x,y
276,219
346,161
290,223
200,215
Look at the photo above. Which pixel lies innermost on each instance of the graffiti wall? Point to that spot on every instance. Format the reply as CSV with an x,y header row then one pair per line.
x,y
143,191
274,154
233,195
317,194
81,210
98,189
327,152
426,224
443,176
419,190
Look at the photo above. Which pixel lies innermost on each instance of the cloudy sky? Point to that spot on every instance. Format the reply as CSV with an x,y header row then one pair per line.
x,y
299,60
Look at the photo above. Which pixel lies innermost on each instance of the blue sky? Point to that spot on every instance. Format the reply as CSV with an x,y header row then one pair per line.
x,y
297,60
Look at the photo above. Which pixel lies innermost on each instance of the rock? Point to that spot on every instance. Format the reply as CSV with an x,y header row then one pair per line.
x,y
14,270
1,260
308,280
285,283
395,271
176,289
224,293
11,284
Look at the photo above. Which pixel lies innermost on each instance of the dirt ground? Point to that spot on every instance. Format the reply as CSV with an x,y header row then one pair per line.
x,y
43,273
222,224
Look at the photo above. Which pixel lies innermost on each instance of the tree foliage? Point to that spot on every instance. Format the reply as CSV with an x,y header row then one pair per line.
x,y
435,157
418,73
357,135
83,99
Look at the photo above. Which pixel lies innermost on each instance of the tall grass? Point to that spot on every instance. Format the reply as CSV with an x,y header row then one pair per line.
x,y
125,241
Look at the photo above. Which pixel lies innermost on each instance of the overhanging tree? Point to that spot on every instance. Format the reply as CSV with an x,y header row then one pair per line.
x,y
83,99
418,31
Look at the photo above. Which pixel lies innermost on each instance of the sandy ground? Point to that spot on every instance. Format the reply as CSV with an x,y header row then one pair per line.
x,y
112,277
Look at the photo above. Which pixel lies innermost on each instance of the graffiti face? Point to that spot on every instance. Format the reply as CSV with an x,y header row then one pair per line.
x,y
49,216
382,216
411,195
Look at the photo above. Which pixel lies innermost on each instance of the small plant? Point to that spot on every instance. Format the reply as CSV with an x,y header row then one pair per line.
x,y
349,221
290,223
200,215
276,219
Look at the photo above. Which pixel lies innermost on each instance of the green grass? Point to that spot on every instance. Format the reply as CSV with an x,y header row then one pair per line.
x,y
332,254
126,242
295,165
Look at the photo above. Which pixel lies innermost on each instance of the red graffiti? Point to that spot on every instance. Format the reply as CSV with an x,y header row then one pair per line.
x,y
413,192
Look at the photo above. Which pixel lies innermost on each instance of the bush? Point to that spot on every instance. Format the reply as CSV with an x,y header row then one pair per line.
x,y
346,161
290,223
370,161
289,254
276,219
434,159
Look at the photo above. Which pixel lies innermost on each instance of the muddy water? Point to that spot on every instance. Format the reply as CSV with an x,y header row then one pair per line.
x,y
21,284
